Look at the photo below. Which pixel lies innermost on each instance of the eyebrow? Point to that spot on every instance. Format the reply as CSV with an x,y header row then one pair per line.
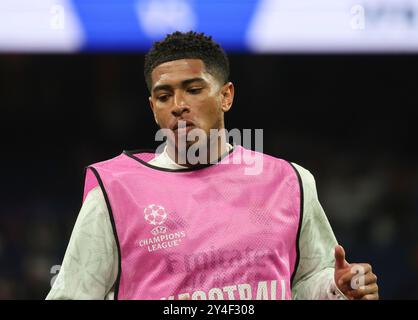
x,y
184,83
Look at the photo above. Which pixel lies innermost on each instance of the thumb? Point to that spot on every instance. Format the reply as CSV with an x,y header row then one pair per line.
x,y
340,261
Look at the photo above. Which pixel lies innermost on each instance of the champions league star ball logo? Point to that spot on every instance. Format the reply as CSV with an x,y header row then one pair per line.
x,y
162,239
156,216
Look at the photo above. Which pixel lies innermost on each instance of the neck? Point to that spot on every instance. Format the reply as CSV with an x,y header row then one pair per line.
x,y
212,152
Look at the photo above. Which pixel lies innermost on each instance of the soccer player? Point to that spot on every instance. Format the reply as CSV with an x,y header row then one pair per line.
x,y
167,225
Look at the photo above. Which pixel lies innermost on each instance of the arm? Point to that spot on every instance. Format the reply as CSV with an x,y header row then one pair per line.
x,y
89,268
323,272
314,277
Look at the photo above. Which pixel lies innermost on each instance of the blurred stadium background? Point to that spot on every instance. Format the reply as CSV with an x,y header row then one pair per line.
x,y
332,83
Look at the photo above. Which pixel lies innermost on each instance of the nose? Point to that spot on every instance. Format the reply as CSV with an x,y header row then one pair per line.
x,y
180,106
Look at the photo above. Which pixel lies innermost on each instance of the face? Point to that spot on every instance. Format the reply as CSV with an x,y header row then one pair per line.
x,y
182,90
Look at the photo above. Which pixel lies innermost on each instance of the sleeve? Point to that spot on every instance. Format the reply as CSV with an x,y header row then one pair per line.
x,y
314,278
89,268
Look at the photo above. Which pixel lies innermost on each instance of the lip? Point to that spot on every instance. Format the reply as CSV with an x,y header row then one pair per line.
x,y
189,125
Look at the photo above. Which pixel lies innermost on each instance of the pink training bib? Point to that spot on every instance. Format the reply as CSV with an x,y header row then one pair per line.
x,y
214,232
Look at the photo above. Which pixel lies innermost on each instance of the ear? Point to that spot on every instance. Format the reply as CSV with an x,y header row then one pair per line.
x,y
151,104
227,92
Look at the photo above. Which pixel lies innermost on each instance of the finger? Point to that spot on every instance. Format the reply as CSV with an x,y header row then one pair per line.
x,y
370,278
371,297
346,279
357,269
370,289
339,254
361,281
366,267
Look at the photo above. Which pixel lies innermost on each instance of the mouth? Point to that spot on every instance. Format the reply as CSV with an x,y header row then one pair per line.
x,y
183,125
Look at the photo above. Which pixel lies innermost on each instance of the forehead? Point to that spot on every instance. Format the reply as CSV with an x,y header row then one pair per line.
x,y
178,70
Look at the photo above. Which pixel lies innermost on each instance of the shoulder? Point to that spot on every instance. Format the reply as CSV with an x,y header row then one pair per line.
x,y
264,160
308,185
305,175
94,200
107,163
123,162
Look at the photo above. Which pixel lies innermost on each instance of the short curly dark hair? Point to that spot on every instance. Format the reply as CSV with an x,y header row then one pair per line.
x,y
188,45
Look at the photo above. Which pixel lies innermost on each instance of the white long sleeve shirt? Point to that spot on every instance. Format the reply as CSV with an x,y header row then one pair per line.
x,y
90,266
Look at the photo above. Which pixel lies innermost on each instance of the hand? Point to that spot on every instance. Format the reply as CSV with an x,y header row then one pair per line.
x,y
355,280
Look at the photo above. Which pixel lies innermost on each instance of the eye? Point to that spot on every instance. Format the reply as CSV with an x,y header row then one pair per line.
x,y
163,97
194,90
